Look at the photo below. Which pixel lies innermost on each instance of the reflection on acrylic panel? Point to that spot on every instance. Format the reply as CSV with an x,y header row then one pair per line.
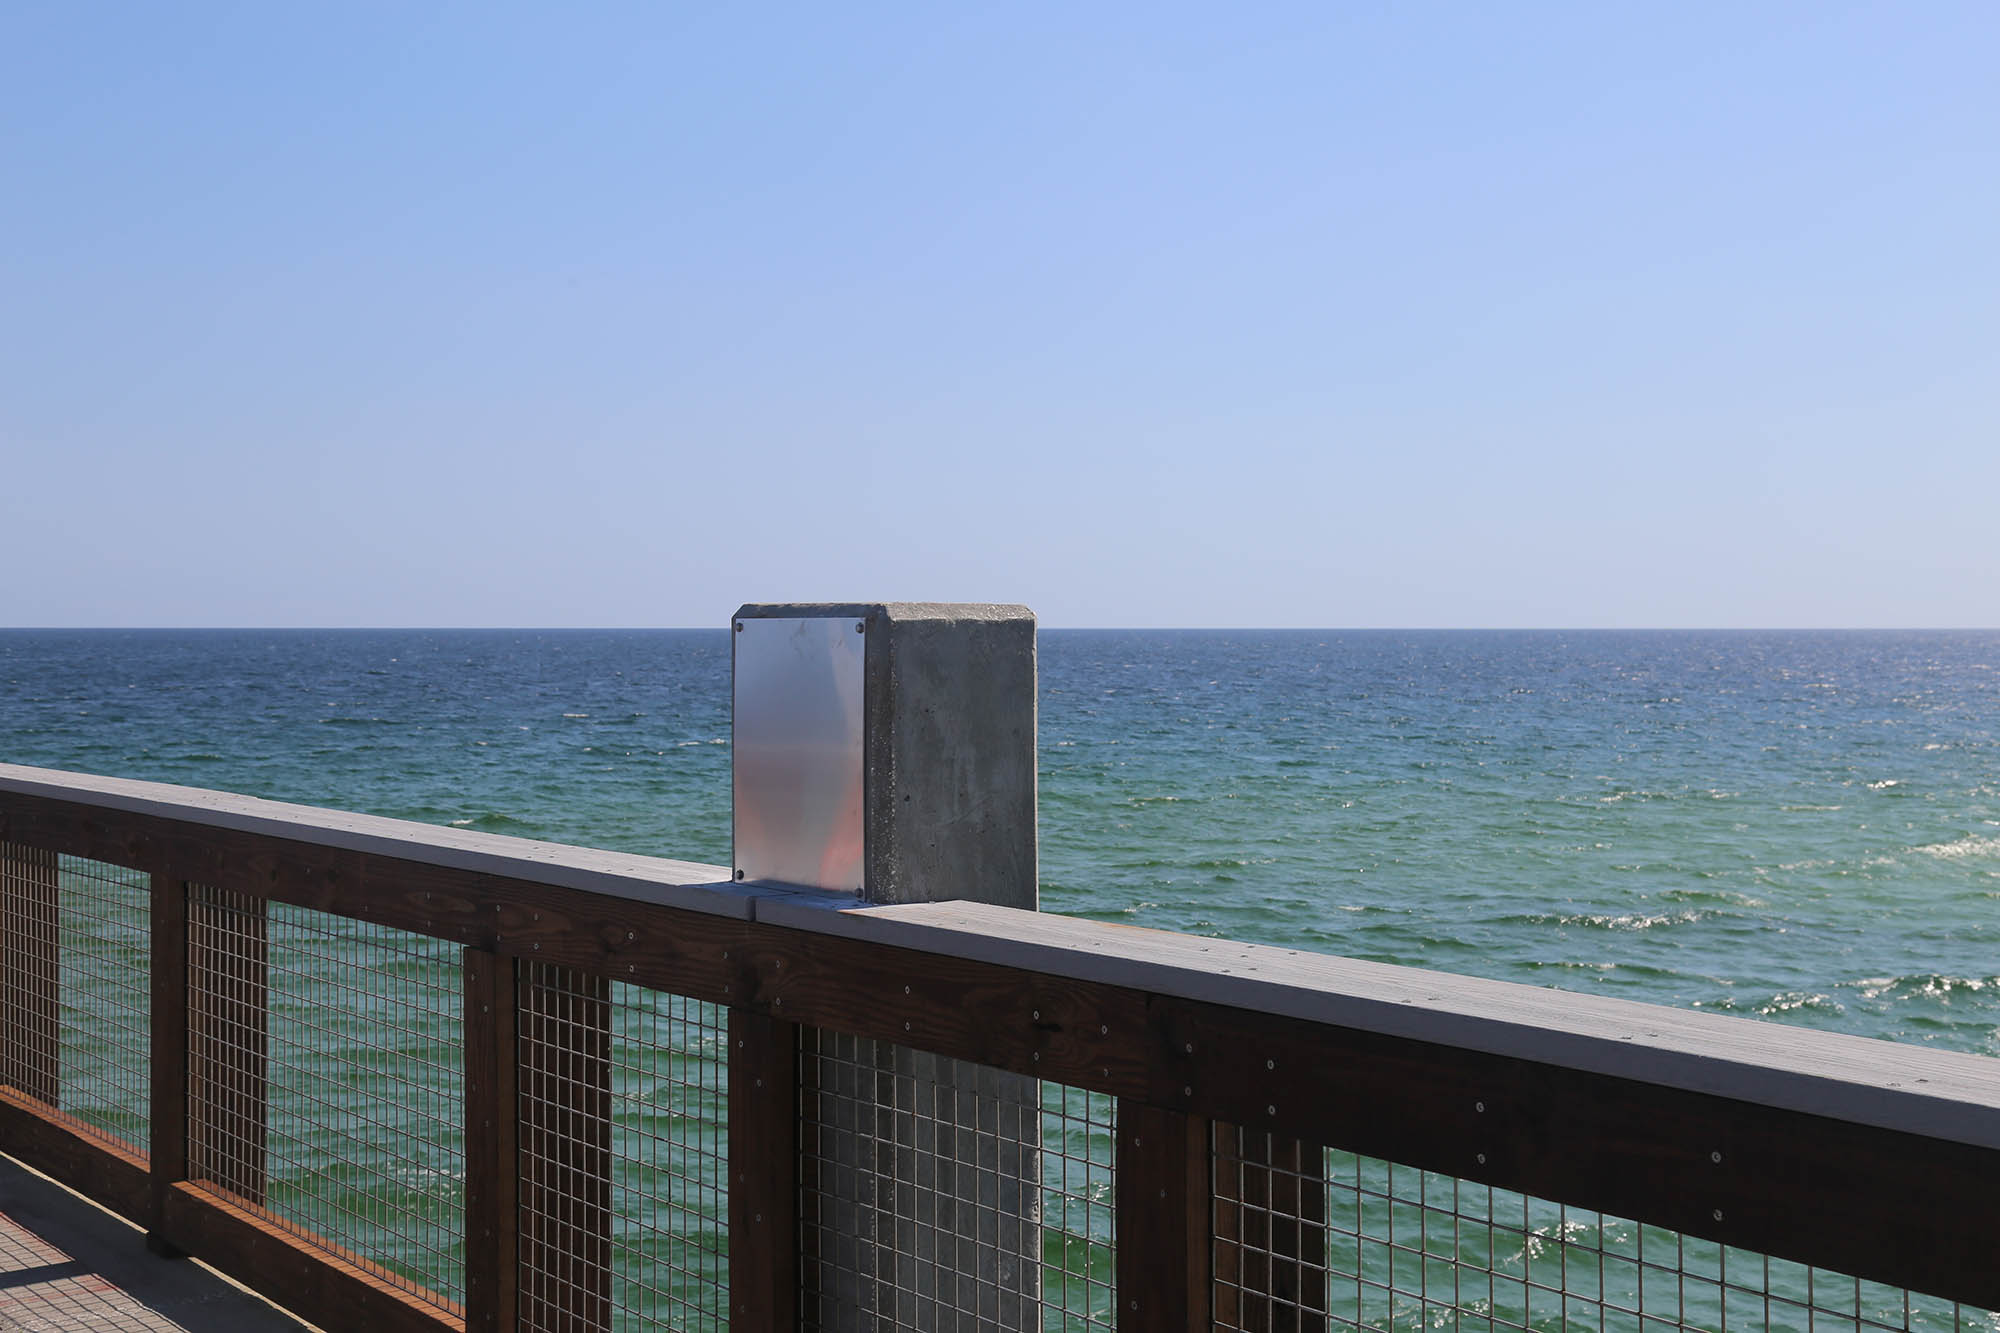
x,y
798,751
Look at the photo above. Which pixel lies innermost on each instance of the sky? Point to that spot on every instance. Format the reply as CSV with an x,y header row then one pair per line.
x,y
1330,314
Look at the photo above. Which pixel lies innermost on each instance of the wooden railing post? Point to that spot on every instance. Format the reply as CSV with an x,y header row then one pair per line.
x,y
228,1039
30,998
763,1173
492,1153
1163,1202
167,1157
564,1018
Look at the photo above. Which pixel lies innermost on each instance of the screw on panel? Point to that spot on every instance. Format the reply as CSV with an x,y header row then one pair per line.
x,y
860,627
1479,1107
1715,1157
1482,1159
1718,1214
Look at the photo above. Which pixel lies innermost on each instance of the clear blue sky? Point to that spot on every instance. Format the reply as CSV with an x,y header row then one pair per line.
x,y
1326,314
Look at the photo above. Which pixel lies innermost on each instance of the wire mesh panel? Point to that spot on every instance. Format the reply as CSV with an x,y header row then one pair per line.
x,y
228,1040
669,1162
1390,1247
623,1144
937,1194
105,928
358,1142
30,1004
1079,1136
564,1035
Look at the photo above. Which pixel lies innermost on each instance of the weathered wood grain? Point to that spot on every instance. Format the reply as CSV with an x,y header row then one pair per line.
x,y
492,1152
56,1145
1164,1249
764,1177
168,1153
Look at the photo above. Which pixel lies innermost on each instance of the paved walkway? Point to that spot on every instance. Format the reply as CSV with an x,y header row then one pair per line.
x,y
66,1265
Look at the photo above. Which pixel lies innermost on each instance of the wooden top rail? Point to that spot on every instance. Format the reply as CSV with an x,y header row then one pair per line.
x,y
1940,1094
683,884
1865,1156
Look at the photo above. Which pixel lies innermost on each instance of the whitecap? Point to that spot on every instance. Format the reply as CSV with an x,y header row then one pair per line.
x,y
1970,845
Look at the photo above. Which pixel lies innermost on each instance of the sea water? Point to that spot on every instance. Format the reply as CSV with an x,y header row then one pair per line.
x,y
1795,826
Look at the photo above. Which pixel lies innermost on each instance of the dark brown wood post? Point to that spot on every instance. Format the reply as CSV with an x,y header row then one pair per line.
x,y
492,1152
1270,1232
228,1039
763,1173
30,998
1163,1218
564,1038
168,1152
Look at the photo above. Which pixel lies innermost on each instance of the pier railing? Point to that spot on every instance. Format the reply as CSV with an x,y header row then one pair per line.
x,y
402,1077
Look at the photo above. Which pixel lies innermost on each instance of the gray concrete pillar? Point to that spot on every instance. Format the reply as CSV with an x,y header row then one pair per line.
x,y
887,750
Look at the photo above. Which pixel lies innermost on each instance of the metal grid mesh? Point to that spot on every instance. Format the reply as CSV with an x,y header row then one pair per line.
x,y
938,1194
106,989
30,1010
326,1082
1079,1244
624,1125
1305,1239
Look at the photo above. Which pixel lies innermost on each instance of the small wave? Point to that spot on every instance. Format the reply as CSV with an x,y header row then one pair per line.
x,y
1620,920
1784,1002
576,715
1885,784
1924,985
1970,845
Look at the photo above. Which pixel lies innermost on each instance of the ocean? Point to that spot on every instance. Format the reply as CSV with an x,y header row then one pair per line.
x,y
1802,827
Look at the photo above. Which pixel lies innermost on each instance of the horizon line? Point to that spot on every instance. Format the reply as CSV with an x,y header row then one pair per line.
x,y
1089,629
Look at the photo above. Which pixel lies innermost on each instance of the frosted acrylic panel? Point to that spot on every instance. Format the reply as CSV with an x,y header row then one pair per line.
x,y
798,751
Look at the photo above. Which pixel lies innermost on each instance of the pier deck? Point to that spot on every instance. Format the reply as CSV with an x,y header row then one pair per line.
x,y
66,1264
